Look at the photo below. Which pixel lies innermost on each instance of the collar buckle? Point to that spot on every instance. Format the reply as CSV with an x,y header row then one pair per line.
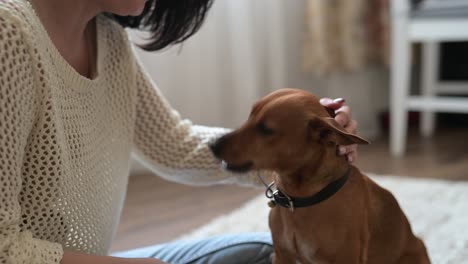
x,y
273,194
290,204
277,197
283,199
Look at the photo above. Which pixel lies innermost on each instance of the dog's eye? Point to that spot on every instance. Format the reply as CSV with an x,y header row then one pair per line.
x,y
262,129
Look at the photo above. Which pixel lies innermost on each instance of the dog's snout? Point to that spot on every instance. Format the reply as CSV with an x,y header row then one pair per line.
x,y
216,147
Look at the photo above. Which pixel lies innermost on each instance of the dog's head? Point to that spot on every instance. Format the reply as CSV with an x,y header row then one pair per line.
x,y
285,130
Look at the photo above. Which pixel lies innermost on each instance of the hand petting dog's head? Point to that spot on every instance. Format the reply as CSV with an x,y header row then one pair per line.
x,y
285,130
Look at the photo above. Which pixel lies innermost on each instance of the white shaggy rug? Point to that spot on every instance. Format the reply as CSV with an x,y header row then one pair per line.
x,y
437,211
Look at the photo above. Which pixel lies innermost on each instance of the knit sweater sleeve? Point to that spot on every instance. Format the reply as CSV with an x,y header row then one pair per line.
x,y
17,102
173,147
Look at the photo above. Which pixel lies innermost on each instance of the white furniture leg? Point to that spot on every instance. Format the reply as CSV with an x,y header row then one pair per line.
x,y
399,86
409,26
429,81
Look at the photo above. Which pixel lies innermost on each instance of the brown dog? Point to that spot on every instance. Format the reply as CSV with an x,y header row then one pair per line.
x,y
326,210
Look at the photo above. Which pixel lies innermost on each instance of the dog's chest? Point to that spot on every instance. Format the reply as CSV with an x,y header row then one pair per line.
x,y
303,236
305,249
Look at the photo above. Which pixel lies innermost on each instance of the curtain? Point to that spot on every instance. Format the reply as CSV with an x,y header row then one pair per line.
x,y
246,49
345,35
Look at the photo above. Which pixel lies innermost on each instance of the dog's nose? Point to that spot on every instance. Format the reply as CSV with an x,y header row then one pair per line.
x,y
216,147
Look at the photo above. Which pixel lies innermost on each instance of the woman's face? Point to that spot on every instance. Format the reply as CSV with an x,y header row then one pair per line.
x,y
123,7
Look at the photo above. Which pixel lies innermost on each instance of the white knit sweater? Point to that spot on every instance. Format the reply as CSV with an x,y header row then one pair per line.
x,y
66,141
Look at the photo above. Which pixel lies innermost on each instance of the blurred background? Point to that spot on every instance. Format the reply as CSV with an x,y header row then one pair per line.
x,y
401,65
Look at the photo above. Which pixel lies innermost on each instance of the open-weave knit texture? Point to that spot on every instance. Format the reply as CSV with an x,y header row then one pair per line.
x,y
66,140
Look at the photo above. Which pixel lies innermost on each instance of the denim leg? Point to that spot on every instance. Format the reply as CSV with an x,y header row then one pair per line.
x,y
249,248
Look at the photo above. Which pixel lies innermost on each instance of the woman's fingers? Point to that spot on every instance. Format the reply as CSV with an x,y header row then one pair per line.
x,y
352,156
334,104
344,118
349,151
352,127
343,115
342,111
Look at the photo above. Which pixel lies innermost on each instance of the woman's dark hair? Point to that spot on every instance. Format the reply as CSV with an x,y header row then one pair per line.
x,y
168,21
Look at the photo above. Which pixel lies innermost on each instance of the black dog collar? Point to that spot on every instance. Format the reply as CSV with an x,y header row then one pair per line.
x,y
279,197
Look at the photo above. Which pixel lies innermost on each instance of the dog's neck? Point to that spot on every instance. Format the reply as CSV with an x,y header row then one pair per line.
x,y
323,168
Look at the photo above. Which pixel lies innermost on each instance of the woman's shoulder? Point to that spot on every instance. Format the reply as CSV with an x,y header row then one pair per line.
x,y
15,17
15,9
113,31
15,53
116,37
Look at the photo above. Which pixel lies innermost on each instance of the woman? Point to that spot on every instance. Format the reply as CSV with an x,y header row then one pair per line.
x,y
74,104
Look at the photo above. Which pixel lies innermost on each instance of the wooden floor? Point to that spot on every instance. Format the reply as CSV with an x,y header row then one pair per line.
x,y
156,211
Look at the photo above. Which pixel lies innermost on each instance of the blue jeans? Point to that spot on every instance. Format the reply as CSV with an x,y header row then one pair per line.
x,y
249,248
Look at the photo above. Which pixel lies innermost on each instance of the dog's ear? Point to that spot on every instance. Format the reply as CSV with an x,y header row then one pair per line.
x,y
327,129
330,111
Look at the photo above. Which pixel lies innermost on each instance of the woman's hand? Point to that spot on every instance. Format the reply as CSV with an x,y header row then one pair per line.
x,y
344,118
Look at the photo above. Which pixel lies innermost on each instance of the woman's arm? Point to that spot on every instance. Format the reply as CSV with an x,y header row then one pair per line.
x,y
17,113
172,147
18,104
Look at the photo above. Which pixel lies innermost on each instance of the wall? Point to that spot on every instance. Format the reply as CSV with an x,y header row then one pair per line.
x,y
245,50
